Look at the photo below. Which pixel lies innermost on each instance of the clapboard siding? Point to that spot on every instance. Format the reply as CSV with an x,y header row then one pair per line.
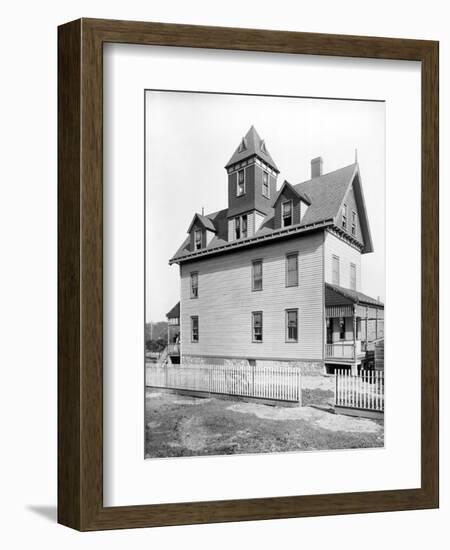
x,y
226,302
347,255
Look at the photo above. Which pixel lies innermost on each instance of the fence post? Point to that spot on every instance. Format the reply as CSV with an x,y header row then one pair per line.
x,y
299,386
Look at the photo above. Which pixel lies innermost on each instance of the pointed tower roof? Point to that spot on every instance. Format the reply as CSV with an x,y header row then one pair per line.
x,y
251,145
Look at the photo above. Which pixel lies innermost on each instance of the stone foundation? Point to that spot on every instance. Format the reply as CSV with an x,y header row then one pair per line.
x,y
310,368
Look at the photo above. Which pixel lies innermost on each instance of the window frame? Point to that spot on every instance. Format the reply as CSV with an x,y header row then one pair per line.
x,y
265,173
345,217
352,280
291,202
257,261
287,339
288,256
198,231
193,318
333,258
192,295
254,313
354,223
244,186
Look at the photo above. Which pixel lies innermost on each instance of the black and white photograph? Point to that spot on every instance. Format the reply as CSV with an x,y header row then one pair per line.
x,y
264,274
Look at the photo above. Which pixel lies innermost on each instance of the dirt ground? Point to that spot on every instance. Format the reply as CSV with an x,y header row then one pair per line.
x,y
178,425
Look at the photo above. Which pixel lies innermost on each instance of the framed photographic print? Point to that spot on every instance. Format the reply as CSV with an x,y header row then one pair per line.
x,y
248,274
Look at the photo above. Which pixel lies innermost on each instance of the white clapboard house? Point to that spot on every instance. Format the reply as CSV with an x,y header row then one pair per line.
x,y
276,275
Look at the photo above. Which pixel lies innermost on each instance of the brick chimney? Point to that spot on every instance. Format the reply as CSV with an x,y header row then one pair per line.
x,y
316,167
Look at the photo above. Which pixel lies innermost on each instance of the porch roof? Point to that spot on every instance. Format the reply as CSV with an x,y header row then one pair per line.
x,y
174,313
338,295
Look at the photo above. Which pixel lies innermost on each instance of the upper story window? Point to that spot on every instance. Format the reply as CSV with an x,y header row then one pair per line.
x,y
195,336
353,223
292,325
240,190
335,270
265,185
353,276
292,269
194,285
344,217
198,239
240,227
286,213
257,275
257,326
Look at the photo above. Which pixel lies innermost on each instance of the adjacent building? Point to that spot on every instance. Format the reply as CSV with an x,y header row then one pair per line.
x,y
276,275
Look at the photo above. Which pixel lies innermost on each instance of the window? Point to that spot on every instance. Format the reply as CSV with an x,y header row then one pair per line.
x,y
198,239
292,269
353,223
286,213
240,183
291,325
194,329
244,226
344,216
257,326
341,328
265,185
335,268
257,275
353,276
194,285
240,227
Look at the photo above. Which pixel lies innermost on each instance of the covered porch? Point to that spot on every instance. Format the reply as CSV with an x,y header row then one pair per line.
x,y
173,334
354,321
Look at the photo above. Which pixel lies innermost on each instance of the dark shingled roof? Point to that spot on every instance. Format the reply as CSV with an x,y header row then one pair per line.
x,y
174,313
354,296
325,195
205,221
252,145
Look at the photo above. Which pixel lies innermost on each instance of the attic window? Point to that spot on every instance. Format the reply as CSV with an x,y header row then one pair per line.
x,y
286,213
353,223
265,185
344,217
197,239
240,189
242,146
263,147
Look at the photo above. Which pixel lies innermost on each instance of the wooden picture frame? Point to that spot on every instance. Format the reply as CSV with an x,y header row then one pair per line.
x,y
80,272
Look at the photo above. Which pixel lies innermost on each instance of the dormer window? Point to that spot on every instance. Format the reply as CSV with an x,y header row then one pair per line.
x,y
240,183
265,185
240,227
263,146
198,239
353,223
242,146
344,217
286,213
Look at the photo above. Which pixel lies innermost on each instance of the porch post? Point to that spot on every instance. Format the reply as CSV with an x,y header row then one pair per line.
x,y
355,364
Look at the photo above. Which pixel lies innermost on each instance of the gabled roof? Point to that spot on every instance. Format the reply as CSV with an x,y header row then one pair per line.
x,y
204,220
353,296
287,185
325,195
174,313
251,145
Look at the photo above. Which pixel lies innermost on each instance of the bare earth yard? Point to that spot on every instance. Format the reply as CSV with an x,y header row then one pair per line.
x,y
179,425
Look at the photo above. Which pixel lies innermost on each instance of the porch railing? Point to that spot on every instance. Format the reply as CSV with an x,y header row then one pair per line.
x,y
343,350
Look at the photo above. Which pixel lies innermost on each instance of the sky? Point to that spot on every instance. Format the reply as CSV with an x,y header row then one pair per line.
x,y
191,136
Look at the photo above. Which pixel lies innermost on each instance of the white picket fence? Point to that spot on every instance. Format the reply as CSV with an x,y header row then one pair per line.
x,y
277,382
364,391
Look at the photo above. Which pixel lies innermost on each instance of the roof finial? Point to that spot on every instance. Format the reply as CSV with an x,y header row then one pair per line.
x,y
356,156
